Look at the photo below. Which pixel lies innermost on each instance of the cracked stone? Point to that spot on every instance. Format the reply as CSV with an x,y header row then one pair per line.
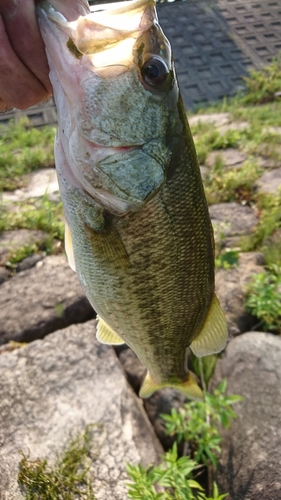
x,y
51,389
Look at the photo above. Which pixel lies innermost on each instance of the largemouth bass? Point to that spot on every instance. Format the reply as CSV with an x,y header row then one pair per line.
x,y
138,230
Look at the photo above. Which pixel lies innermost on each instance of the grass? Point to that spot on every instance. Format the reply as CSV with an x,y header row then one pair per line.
x,y
263,298
68,479
41,214
23,149
36,214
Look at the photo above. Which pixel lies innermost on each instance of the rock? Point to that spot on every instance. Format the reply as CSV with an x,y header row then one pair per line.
x,y
4,274
251,448
269,163
162,402
205,172
11,241
230,222
51,390
41,182
231,158
132,366
230,289
269,182
272,130
29,262
234,126
41,300
216,119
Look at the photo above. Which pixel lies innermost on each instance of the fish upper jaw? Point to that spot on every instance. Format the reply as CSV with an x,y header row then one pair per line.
x,y
105,38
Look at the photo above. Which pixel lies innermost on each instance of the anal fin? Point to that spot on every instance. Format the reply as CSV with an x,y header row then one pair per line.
x,y
106,335
69,247
189,388
213,336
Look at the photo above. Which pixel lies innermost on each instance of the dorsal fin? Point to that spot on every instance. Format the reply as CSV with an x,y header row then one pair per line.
x,y
213,336
106,335
69,247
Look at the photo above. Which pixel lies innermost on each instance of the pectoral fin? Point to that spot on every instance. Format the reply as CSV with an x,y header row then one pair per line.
x,y
189,388
69,247
106,335
213,336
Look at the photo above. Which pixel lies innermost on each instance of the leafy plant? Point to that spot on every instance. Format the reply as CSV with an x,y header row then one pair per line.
x,y
68,479
227,259
204,368
262,85
269,207
171,480
232,185
21,253
263,298
197,422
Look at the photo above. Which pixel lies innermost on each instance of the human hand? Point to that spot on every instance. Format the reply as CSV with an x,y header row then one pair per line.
x,y
23,64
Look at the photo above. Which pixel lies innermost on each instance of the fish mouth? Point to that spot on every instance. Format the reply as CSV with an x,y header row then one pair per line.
x,y
107,35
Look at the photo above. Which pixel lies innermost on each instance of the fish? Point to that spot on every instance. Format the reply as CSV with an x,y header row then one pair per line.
x,y
138,231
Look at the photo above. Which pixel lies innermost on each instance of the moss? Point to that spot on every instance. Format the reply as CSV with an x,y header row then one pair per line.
x,y
68,479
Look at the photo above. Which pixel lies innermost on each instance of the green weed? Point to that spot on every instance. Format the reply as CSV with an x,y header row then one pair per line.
x,y
196,423
232,185
171,480
262,85
227,259
23,149
263,298
269,207
204,367
21,253
41,214
68,479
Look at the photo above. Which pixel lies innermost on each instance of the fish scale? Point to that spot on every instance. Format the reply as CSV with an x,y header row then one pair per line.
x,y
138,230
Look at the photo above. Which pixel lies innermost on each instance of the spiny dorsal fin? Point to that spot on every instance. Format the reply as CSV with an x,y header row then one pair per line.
x,y
69,247
106,335
213,336
189,388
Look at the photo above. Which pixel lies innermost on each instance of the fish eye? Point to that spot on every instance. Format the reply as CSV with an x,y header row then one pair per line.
x,y
154,71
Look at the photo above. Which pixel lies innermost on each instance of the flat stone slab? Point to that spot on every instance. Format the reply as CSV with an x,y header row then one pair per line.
x,y
231,158
51,390
41,300
270,182
231,221
41,182
250,465
216,119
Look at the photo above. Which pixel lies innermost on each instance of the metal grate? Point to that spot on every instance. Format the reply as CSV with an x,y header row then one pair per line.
x,y
255,26
208,62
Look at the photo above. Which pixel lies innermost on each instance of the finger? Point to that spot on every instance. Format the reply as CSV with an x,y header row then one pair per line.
x,y
23,32
5,106
18,86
